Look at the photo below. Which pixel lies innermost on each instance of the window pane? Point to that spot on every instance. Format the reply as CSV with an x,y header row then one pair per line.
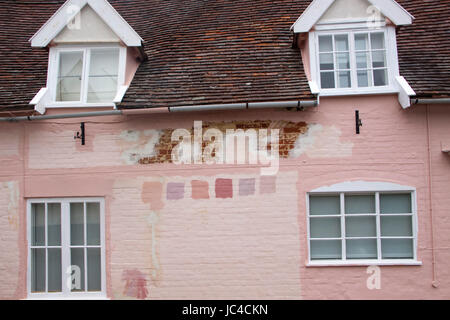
x,y
37,270
396,226
360,227
362,60
94,269
341,42
38,224
325,227
326,61
77,261
77,224
363,79
360,204
69,76
395,203
361,42
324,205
325,44
93,223
397,248
379,59
344,79
54,224
327,80
343,60
362,249
380,77
377,40
103,73
54,270
323,250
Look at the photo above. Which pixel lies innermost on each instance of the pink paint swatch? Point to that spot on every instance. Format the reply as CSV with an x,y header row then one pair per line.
x,y
200,189
224,188
268,184
246,187
152,194
175,191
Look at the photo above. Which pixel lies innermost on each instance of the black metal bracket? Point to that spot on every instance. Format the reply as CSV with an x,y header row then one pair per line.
x,y
359,123
81,136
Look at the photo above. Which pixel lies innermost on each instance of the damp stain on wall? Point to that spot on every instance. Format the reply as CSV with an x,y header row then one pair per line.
x,y
11,189
152,194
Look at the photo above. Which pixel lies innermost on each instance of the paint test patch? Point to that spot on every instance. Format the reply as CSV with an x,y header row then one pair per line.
x,y
224,188
152,194
175,191
268,184
200,189
246,187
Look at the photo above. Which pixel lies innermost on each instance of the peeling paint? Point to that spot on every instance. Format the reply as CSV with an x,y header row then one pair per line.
x,y
138,145
289,132
322,142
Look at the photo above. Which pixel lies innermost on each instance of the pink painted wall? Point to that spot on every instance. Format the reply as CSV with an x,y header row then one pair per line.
x,y
250,246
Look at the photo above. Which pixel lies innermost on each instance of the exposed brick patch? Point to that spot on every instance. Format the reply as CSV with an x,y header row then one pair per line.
x,y
289,132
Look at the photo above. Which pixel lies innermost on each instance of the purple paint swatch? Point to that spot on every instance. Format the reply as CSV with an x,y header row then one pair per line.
x,y
268,184
224,188
175,191
246,187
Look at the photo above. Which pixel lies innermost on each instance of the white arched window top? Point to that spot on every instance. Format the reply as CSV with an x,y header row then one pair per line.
x,y
363,186
362,223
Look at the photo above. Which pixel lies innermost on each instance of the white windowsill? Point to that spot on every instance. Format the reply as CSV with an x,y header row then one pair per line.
x,y
81,105
57,296
345,92
334,263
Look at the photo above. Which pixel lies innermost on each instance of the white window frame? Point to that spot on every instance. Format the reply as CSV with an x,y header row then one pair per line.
x,y
53,70
65,249
351,29
363,188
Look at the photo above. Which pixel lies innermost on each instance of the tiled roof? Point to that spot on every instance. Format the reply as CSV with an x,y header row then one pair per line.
x,y
215,51
424,47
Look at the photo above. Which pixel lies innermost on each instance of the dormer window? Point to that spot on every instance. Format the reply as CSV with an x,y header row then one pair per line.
x,y
94,54
349,47
86,75
352,60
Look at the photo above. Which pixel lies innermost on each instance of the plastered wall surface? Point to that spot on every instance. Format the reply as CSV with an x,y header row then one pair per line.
x,y
224,231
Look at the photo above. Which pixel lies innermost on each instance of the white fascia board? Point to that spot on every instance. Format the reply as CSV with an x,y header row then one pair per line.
x,y
120,94
395,12
314,87
311,15
115,21
71,8
390,8
405,92
37,98
40,99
